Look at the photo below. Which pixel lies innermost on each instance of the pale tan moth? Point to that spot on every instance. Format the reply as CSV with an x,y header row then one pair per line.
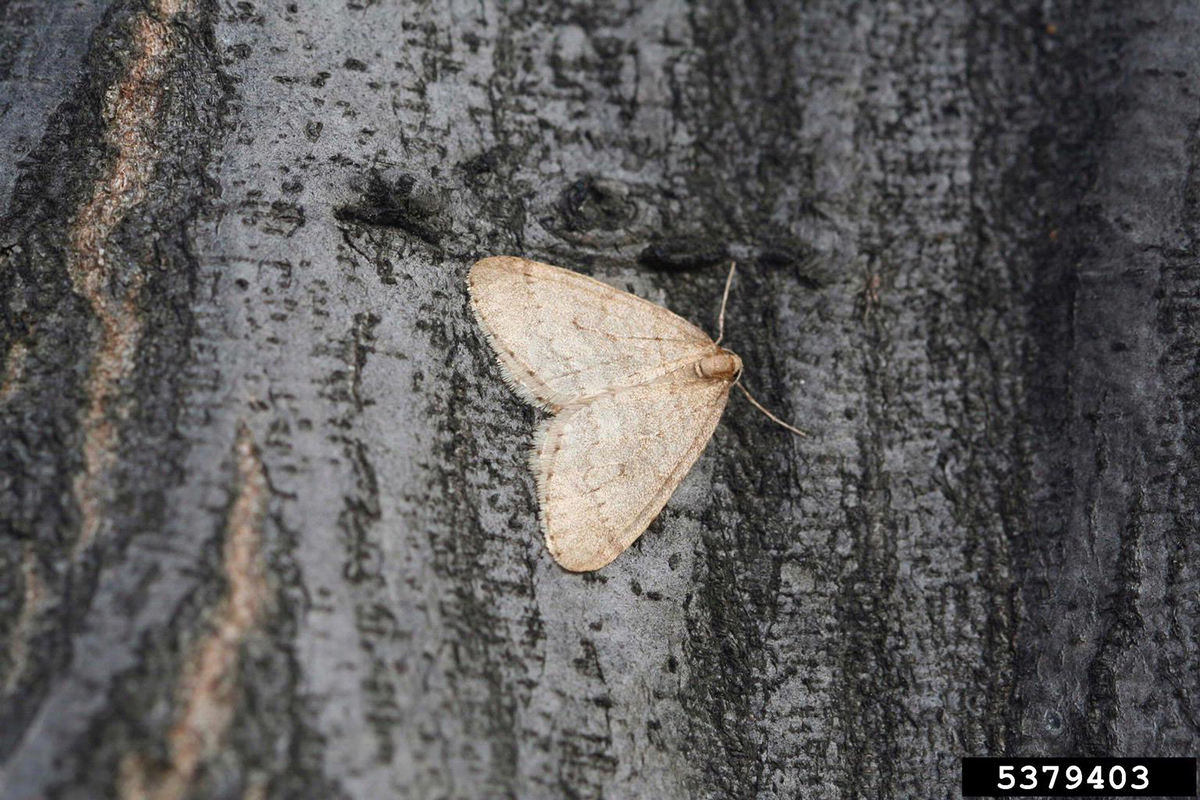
x,y
635,393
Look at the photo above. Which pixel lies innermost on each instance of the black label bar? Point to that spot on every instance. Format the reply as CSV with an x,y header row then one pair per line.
x,y
1079,777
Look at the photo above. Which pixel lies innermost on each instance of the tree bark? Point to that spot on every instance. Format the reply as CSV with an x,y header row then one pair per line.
x,y
268,527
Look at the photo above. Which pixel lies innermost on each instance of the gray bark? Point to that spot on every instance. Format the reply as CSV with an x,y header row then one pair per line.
x,y
268,528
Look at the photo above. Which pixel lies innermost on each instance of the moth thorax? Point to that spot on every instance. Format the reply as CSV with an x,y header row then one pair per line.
x,y
722,365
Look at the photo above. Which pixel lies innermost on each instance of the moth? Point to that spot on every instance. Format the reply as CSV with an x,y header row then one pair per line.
x,y
634,393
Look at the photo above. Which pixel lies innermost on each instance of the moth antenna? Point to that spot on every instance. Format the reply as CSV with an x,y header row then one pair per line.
x,y
770,416
724,300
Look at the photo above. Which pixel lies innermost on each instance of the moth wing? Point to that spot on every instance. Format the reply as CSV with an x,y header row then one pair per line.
x,y
561,336
606,467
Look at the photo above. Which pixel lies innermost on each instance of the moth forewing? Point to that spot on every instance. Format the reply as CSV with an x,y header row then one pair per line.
x,y
607,466
560,336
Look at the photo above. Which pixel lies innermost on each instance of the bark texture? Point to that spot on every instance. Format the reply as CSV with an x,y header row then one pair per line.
x,y
267,525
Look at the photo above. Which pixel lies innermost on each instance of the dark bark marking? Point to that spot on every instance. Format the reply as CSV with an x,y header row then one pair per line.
x,y
395,203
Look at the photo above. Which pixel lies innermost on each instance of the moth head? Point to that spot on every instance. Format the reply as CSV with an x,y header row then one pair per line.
x,y
723,365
